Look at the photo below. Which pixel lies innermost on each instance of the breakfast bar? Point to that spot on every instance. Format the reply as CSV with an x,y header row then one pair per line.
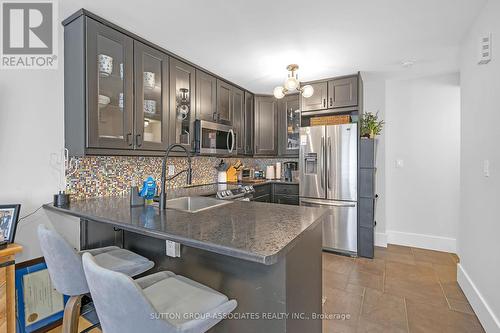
x,y
267,257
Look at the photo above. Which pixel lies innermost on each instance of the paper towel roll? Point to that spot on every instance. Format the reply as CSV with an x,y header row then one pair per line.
x,y
278,171
270,172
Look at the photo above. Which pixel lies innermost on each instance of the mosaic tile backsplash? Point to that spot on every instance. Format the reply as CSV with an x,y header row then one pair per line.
x,y
97,176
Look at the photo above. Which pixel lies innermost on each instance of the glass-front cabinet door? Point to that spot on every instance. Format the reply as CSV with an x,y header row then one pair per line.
x,y
289,126
151,103
110,87
182,108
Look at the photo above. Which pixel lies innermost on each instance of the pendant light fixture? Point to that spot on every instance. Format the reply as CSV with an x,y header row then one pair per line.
x,y
292,83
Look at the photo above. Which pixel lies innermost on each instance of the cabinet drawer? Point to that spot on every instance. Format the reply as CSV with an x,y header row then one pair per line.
x,y
263,198
286,199
287,189
261,190
366,212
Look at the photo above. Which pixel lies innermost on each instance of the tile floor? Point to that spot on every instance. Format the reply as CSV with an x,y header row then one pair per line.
x,y
402,290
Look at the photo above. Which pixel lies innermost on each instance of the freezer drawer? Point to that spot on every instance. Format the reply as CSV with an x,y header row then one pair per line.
x,y
340,227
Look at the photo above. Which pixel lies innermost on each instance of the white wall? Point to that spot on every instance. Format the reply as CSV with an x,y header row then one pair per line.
x,y
479,227
423,130
31,140
374,102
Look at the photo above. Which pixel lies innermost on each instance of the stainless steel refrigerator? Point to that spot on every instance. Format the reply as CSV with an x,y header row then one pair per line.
x,y
328,169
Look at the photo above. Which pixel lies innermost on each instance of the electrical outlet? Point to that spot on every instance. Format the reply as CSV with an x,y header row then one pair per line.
x,y
400,163
173,249
171,169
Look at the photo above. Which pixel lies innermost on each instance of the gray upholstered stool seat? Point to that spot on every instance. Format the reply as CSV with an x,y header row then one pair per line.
x,y
65,268
161,302
121,260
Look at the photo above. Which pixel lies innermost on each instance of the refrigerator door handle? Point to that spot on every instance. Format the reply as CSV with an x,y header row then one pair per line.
x,y
328,162
322,155
333,204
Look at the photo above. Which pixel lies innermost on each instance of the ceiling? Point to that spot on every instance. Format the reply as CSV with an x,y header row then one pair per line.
x,y
251,42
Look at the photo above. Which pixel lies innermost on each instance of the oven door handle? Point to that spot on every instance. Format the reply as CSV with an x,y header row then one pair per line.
x,y
233,137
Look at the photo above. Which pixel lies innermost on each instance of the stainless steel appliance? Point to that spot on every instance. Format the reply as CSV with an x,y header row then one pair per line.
x,y
214,139
290,167
242,193
328,167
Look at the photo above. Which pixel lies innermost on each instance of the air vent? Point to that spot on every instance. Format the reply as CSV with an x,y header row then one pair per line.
x,y
485,50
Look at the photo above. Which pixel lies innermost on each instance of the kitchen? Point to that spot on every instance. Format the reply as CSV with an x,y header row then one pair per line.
x,y
261,185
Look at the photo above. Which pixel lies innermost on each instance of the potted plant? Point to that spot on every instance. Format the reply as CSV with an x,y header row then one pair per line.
x,y
370,126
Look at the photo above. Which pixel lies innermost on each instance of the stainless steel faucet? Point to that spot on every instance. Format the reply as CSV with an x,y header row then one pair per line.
x,y
189,171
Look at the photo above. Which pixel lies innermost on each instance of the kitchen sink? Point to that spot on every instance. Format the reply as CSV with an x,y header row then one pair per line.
x,y
194,204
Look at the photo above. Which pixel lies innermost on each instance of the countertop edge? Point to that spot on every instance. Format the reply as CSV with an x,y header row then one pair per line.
x,y
215,248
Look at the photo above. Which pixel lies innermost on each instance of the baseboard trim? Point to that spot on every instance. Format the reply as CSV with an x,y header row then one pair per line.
x,y
423,241
486,316
380,239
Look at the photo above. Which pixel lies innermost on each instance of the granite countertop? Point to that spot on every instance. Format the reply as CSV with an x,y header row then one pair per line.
x,y
253,231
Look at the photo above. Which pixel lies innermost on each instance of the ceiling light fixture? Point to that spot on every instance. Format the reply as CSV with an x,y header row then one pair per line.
x,y
292,83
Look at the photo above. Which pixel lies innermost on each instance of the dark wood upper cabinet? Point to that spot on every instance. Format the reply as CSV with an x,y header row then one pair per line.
x,y
110,91
343,92
318,101
239,124
182,103
266,129
151,98
224,103
206,96
288,126
249,123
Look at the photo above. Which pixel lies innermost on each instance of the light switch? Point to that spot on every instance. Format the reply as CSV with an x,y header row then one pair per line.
x,y
400,163
173,249
486,168
171,169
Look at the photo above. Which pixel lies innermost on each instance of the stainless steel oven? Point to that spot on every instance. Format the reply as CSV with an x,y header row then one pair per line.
x,y
214,139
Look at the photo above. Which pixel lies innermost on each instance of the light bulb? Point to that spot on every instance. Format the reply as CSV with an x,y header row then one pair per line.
x,y
307,91
279,92
291,83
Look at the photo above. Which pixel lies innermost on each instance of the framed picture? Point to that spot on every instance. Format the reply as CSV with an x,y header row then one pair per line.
x,y
39,305
9,215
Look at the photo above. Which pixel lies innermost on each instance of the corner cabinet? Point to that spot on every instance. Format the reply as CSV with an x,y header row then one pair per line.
x,y
266,126
289,126
116,92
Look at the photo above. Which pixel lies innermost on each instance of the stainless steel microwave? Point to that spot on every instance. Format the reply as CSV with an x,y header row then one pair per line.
x,y
214,139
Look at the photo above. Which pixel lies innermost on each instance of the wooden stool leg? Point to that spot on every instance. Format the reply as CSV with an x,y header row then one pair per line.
x,y
72,314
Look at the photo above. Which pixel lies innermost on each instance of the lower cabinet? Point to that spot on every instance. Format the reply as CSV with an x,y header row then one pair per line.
x,y
286,199
283,194
263,198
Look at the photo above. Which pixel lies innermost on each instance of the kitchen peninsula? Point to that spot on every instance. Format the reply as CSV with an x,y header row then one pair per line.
x,y
267,257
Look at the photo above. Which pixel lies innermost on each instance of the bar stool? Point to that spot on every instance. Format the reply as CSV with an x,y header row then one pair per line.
x,y
66,271
158,303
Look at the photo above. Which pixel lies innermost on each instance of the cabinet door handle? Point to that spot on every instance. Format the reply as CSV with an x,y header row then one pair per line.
x,y
214,116
324,102
138,140
129,139
331,101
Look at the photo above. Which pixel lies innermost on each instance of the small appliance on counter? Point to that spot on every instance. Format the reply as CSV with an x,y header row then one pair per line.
x,y
290,172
